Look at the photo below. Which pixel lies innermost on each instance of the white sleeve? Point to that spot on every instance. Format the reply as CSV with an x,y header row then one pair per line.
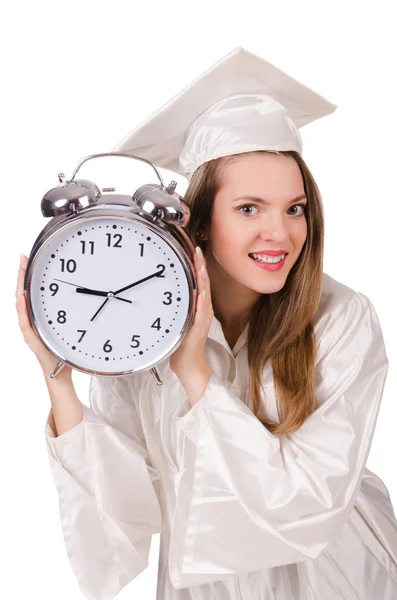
x,y
108,494
249,500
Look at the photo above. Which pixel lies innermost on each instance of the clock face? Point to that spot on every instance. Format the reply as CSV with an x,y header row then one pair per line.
x,y
109,295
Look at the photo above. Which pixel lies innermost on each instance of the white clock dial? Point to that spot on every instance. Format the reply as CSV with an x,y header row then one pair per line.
x,y
129,331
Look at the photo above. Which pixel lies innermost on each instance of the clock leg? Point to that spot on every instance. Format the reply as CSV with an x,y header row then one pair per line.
x,y
58,368
156,376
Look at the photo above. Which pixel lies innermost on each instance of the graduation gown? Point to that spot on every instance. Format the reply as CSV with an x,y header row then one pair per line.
x,y
242,514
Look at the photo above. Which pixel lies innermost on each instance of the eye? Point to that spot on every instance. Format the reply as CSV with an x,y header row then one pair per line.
x,y
250,206
302,206
247,206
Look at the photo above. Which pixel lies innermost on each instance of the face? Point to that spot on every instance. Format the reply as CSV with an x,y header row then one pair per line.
x,y
255,210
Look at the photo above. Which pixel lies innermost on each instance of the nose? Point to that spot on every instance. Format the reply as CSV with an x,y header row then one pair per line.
x,y
274,226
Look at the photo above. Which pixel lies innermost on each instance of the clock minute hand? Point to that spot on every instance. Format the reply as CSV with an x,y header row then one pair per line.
x,y
127,287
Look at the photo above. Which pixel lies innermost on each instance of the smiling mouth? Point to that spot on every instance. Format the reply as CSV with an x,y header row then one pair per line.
x,y
273,259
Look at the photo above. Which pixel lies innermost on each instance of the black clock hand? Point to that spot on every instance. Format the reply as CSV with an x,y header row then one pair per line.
x,y
127,287
83,290
99,309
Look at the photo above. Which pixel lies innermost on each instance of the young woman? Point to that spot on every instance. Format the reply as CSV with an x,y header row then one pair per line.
x,y
250,460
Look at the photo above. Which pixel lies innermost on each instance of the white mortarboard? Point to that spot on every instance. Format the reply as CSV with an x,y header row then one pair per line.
x,y
242,103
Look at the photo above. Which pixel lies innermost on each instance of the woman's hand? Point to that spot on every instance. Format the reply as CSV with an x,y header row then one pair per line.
x,y
188,361
47,360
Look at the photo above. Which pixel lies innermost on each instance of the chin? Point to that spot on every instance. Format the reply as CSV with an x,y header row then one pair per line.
x,y
271,287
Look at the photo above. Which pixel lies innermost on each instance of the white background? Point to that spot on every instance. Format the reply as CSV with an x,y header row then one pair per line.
x,y
76,78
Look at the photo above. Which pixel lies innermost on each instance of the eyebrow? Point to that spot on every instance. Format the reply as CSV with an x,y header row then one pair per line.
x,y
263,201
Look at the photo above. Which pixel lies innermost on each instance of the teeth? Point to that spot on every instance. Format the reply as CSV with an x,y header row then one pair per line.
x,y
268,259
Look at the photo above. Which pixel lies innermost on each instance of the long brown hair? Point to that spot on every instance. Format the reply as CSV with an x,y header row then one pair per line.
x,y
280,326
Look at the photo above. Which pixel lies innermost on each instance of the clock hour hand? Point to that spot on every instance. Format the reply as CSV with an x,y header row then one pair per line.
x,y
83,290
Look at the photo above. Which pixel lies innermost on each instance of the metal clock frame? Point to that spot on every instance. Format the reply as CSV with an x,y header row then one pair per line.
x,y
136,209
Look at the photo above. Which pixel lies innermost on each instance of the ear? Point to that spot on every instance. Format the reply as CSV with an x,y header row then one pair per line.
x,y
202,234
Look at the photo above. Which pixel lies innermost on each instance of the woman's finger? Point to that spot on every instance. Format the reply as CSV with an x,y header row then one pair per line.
x,y
24,323
20,280
205,282
204,310
205,276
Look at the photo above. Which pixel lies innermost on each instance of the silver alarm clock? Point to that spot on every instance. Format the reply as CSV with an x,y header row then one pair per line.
x,y
110,283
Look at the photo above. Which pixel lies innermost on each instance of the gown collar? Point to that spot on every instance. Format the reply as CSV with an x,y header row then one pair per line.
x,y
216,334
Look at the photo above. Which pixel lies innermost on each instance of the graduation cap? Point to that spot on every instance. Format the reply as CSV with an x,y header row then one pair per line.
x,y
241,103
